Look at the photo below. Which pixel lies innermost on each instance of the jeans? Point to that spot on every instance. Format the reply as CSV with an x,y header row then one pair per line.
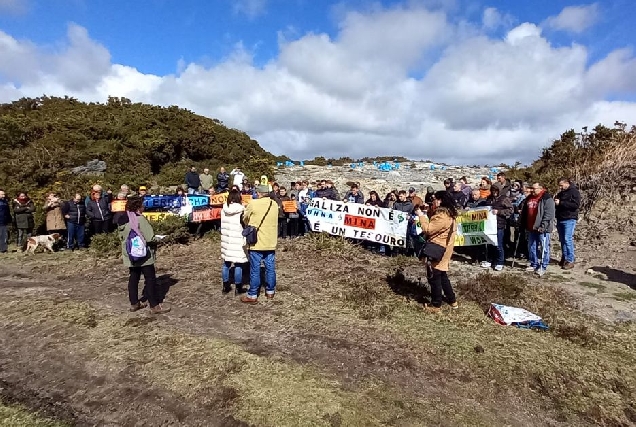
x,y
269,259
534,255
500,258
4,239
150,284
440,283
566,237
238,272
100,227
23,235
75,233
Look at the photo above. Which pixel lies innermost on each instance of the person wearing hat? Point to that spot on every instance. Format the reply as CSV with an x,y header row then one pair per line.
x,y
262,213
143,191
414,198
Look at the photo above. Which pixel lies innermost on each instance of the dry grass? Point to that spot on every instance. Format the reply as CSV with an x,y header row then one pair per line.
x,y
17,416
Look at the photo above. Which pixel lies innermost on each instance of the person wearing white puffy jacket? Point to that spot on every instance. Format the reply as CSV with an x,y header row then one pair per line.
x,y
232,242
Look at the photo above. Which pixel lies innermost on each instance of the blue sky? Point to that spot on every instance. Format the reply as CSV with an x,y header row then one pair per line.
x,y
307,77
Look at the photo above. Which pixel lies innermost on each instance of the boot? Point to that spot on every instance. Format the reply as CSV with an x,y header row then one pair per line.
x,y
227,288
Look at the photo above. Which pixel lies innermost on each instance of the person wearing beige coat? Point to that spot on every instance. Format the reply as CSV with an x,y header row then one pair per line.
x,y
55,222
262,213
440,229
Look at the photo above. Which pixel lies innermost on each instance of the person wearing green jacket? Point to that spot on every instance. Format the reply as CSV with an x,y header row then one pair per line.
x,y
134,220
207,181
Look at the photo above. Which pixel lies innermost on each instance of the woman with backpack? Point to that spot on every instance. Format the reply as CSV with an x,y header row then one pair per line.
x,y
440,232
232,242
137,237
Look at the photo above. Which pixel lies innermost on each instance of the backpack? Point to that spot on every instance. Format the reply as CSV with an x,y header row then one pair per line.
x,y
135,244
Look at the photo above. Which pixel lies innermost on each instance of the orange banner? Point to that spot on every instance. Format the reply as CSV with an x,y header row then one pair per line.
x,y
206,215
289,206
246,198
218,199
118,206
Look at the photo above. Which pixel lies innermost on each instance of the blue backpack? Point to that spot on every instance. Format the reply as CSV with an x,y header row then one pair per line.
x,y
135,244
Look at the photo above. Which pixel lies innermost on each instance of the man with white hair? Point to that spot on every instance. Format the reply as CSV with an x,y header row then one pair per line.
x,y
206,179
262,213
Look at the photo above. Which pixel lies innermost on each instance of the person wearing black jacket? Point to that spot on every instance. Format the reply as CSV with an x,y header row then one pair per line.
x,y
222,181
75,213
98,211
501,207
458,195
5,222
568,202
193,181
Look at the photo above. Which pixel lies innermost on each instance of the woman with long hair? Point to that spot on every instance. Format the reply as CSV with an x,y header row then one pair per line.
x,y
440,230
484,187
232,242
374,200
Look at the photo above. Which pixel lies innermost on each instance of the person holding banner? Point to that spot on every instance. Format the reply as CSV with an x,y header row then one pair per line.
x,y
440,231
232,242
502,208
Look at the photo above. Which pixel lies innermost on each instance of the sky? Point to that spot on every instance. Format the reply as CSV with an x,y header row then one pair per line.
x,y
456,81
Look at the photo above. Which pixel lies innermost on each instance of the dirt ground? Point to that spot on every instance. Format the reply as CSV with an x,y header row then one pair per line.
x,y
345,342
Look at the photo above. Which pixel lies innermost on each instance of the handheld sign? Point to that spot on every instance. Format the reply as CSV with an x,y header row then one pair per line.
x,y
118,206
218,199
246,198
289,206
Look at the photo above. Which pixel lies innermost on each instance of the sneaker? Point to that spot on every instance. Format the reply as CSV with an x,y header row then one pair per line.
x,y
530,269
540,272
159,309
432,309
138,306
499,267
454,305
485,264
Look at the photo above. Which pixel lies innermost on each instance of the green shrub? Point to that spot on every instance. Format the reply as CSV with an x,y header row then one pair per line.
x,y
175,228
106,245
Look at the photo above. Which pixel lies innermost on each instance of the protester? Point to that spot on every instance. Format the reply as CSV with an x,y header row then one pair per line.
x,y
143,191
294,189
537,216
75,213
503,184
448,184
206,180
517,234
192,180
98,212
440,230
568,202
403,204
23,209
239,176
125,189
430,193
293,219
5,222
134,220
280,196
374,200
476,201
484,187
54,217
414,198
459,196
354,195
222,181
304,191
501,207
120,196
232,242
262,213
466,189
326,192
390,200
332,189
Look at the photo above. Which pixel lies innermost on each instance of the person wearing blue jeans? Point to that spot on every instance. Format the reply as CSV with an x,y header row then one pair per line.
x,y
538,218
269,260
568,202
75,234
502,208
74,212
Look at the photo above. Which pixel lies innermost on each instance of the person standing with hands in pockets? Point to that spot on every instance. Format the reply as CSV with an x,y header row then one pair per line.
x,y
567,202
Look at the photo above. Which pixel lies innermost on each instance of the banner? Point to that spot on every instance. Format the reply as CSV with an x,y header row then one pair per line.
x,y
246,198
476,227
357,221
118,206
208,214
174,202
289,206
218,199
157,216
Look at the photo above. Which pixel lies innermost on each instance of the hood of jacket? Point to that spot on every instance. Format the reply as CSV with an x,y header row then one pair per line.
x,y
233,209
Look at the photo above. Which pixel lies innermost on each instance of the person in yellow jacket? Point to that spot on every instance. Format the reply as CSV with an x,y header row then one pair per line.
x,y
262,213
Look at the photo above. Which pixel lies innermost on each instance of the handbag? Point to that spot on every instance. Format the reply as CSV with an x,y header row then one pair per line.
x,y
251,233
433,251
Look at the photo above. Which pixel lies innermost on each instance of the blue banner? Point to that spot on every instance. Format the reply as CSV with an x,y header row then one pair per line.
x,y
174,202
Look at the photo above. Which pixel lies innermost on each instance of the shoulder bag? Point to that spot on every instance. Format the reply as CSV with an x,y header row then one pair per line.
x,y
251,233
433,251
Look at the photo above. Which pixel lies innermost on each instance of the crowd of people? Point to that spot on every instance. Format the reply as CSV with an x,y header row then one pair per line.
x,y
526,216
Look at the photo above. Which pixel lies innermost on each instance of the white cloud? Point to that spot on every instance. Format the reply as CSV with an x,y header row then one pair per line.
x,y
250,8
366,90
492,19
574,19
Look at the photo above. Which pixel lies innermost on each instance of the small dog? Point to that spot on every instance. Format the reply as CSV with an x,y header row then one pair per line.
x,y
45,240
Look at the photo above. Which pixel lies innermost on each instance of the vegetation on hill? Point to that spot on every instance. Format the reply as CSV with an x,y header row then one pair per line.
x,y
600,162
43,139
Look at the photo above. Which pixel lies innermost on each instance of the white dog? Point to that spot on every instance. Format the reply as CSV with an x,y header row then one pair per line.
x,y
45,240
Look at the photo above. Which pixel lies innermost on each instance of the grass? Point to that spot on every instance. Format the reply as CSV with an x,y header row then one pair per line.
x,y
18,416
600,288
625,296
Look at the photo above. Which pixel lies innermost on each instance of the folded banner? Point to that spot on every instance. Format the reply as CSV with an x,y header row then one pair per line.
x,y
173,201
380,225
208,214
476,227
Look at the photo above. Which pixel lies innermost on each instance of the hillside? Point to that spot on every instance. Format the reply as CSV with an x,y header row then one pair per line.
x,y
43,139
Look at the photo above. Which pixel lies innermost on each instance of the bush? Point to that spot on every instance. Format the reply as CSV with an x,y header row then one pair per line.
x,y
106,245
175,228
